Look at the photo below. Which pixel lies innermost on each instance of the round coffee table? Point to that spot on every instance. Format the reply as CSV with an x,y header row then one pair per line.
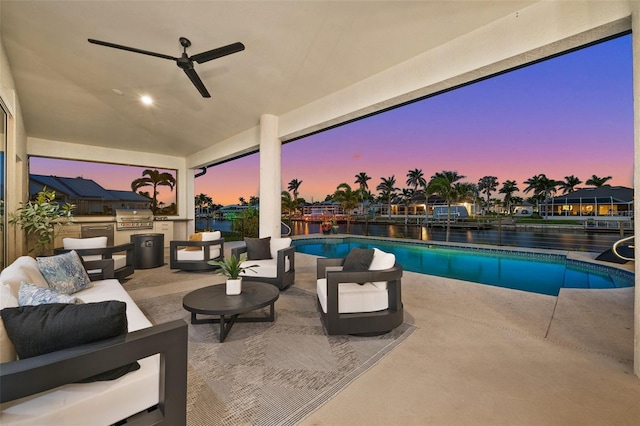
x,y
213,300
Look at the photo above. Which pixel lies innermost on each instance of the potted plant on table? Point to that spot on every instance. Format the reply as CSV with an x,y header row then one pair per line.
x,y
231,267
42,218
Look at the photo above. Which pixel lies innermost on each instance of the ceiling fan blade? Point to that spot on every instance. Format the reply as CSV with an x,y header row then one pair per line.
x,y
191,73
218,53
131,49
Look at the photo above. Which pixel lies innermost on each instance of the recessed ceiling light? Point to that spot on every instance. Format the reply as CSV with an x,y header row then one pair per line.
x,y
118,92
146,100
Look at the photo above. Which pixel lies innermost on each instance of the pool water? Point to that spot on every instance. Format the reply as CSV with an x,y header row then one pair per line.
x,y
526,271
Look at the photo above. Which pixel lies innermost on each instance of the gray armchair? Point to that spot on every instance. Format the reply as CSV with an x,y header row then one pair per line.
x,y
280,270
194,255
95,248
348,307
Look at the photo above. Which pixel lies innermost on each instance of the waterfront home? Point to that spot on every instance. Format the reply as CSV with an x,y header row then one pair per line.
x,y
614,202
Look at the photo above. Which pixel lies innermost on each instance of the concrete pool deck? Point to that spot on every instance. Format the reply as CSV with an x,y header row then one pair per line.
x,y
486,355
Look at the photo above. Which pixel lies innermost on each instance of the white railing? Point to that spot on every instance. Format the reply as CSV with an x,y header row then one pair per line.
x,y
623,242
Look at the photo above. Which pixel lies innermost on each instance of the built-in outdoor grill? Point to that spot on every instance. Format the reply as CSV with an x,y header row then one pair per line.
x,y
128,220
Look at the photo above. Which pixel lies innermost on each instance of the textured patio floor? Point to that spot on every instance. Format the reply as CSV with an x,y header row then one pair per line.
x,y
486,355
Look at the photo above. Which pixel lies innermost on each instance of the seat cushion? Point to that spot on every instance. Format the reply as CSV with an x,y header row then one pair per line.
x,y
184,254
267,268
354,297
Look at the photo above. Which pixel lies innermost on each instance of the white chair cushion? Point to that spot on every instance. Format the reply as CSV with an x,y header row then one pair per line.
x,y
183,254
381,261
278,244
267,268
119,261
84,243
353,297
211,236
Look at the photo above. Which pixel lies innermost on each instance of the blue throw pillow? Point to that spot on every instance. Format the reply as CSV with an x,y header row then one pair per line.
x,y
30,294
65,272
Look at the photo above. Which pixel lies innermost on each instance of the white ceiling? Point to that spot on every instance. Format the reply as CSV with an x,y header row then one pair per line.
x,y
296,52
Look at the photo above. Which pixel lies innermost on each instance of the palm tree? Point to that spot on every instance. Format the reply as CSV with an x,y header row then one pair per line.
x,y
347,198
542,187
415,178
388,188
569,184
290,205
154,179
445,185
202,201
509,187
254,200
294,185
598,182
487,185
406,198
361,181
242,201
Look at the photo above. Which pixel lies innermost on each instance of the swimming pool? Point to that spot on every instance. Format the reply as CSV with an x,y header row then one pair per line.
x,y
520,270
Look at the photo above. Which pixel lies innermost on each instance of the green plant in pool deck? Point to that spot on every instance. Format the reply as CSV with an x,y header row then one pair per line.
x,y
230,266
42,218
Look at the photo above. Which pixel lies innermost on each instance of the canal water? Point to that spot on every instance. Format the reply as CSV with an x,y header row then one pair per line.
x,y
549,238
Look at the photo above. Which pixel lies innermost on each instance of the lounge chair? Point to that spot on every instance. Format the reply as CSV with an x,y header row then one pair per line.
x,y
349,307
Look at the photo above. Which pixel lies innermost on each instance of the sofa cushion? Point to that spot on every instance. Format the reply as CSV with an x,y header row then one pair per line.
x,y
23,269
30,294
258,248
358,260
65,272
84,243
7,300
41,329
278,244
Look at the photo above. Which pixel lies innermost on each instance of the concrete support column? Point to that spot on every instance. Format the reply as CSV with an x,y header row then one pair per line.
x,y
270,177
635,28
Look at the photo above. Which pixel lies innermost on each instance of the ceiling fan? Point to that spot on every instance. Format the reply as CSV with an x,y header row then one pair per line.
x,y
185,62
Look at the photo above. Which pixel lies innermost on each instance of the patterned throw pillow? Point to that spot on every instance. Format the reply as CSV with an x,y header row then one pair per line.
x,y
30,294
64,272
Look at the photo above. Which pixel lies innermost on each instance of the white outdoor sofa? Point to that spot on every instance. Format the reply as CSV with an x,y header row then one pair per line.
x,y
41,390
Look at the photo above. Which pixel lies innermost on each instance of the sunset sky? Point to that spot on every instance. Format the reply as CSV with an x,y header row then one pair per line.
x,y
571,115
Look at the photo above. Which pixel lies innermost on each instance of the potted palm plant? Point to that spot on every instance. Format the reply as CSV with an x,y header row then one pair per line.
x,y
42,219
231,267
